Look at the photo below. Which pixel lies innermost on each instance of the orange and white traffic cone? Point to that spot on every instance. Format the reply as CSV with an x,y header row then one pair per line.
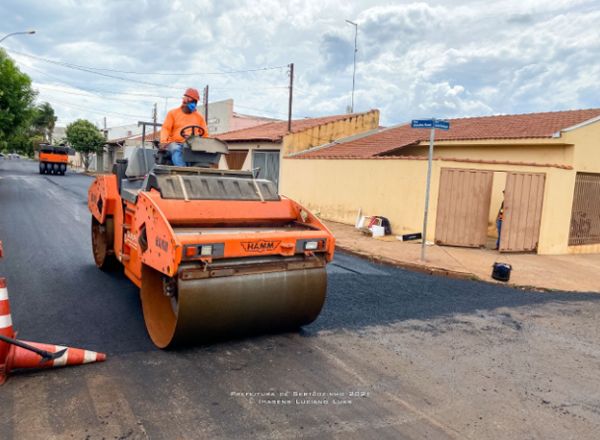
x,y
6,328
16,354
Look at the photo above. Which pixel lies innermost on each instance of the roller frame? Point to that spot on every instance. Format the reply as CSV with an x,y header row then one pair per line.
x,y
285,283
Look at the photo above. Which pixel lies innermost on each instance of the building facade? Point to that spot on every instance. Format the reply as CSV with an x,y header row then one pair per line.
x,y
544,168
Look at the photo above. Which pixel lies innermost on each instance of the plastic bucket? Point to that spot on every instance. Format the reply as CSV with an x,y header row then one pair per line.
x,y
501,271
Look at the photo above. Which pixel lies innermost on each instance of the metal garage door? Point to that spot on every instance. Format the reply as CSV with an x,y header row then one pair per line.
x,y
585,215
268,162
463,207
523,198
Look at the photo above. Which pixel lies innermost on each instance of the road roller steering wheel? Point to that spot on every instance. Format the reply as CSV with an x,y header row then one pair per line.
x,y
193,128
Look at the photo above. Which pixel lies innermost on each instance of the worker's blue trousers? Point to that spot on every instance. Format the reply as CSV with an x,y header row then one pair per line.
x,y
176,150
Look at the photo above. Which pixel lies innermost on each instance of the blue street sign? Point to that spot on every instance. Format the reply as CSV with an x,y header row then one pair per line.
x,y
444,125
430,123
422,123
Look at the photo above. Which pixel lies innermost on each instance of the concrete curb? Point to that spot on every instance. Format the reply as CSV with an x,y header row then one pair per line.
x,y
431,270
437,271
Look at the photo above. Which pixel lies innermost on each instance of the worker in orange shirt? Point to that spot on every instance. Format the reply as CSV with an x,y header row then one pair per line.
x,y
177,118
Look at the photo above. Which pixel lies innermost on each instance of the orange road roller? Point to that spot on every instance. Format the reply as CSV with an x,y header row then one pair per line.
x,y
215,253
53,159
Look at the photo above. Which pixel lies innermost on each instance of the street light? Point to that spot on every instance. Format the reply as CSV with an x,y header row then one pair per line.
x,y
17,33
354,70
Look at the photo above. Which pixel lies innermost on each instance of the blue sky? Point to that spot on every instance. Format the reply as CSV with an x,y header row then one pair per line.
x,y
415,59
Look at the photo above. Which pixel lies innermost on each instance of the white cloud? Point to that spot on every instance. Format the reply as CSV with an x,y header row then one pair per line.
x,y
415,58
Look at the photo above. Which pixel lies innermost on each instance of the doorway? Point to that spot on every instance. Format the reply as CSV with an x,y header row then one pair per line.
x,y
468,205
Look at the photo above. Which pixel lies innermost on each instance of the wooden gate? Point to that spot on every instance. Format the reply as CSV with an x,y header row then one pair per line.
x,y
463,207
523,197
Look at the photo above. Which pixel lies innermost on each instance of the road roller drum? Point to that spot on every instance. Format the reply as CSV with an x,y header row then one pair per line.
x,y
205,310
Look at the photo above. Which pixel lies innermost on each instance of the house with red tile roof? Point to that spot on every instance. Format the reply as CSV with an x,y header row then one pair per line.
x,y
544,167
262,146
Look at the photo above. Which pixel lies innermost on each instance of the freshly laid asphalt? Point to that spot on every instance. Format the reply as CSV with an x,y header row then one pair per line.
x,y
59,296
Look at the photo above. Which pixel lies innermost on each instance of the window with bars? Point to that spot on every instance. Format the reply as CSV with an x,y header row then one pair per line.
x,y
585,215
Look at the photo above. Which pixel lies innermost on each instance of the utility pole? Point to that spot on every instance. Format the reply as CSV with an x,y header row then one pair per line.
x,y
354,69
206,104
144,124
154,116
100,153
291,95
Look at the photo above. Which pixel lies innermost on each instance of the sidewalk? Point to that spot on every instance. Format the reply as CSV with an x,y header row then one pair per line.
x,y
580,273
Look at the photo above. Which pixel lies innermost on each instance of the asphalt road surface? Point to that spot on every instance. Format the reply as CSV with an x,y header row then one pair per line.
x,y
394,354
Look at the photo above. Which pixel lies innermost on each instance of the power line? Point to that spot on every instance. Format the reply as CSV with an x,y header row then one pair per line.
x,y
86,68
62,82
83,69
88,94
260,110
148,94
248,89
92,91
102,112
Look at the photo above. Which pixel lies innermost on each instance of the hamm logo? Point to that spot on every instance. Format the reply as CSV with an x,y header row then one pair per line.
x,y
260,246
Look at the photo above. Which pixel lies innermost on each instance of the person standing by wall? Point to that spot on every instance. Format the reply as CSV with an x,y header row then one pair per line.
x,y
499,220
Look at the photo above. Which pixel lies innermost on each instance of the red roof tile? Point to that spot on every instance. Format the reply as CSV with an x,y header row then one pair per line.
x,y
148,136
532,125
274,131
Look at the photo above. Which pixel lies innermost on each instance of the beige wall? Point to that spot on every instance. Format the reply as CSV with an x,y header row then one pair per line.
x,y
395,188
556,213
547,154
586,159
339,188
587,152
326,133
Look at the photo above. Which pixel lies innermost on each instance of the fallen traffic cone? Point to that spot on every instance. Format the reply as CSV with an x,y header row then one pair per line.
x,y
16,354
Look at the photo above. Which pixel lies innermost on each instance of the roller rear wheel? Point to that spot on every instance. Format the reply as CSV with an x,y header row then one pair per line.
x,y
102,244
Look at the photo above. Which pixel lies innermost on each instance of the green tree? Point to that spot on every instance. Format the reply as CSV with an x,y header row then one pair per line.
x,y
43,121
85,138
16,99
